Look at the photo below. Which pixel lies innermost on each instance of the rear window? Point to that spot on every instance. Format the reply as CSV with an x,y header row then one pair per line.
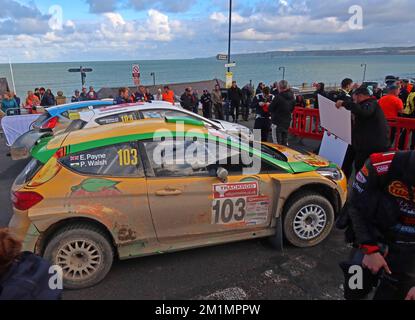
x,y
29,172
75,126
39,121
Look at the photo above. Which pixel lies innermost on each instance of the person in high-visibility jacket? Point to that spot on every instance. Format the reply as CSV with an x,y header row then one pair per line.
x,y
168,95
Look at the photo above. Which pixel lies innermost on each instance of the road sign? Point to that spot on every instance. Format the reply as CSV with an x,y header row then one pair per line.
x,y
222,57
230,65
136,74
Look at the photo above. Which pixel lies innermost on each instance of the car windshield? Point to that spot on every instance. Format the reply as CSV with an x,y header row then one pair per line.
x,y
271,152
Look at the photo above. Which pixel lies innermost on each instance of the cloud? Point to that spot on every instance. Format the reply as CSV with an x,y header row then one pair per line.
x,y
163,5
102,6
16,18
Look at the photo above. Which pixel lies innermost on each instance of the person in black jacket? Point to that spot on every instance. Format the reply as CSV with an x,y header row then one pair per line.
x,y
320,90
235,97
370,128
188,100
48,99
380,223
281,111
206,100
261,104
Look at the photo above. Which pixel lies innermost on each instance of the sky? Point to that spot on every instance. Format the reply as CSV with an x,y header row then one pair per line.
x,y
96,30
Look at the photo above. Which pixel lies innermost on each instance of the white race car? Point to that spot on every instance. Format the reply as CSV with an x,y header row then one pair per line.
x,y
155,110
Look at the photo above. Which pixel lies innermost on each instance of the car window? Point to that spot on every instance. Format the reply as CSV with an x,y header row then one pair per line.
x,y
161,114
117,118
121,160
181,158
41,119
75,126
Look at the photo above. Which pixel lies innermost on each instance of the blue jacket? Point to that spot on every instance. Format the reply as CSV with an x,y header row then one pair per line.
x,y
9,104
28,279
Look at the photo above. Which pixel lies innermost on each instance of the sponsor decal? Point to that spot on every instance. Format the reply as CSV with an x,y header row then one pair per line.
x,y
399,190
234,190
361,178
365,171
239,205
382,169
312,160
358,188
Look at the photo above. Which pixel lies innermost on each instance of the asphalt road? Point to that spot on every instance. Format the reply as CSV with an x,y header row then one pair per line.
x,y
244,270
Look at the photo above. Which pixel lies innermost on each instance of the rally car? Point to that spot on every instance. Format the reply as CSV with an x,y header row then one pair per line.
x,y
153,186
155,110
55,119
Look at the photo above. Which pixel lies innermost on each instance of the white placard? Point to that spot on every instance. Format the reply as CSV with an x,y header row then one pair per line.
x,y
335,121
333,149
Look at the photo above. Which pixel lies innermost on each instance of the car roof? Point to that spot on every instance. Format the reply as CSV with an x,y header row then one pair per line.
x,y
113,131
116,109
58,110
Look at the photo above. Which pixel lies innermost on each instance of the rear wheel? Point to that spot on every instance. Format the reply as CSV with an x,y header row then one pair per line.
x,y
308,219
83,252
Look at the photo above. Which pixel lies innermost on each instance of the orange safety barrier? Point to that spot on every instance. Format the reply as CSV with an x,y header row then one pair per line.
x,y
306,124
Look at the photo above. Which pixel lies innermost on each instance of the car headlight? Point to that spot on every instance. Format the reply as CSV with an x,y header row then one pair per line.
x,y
332,173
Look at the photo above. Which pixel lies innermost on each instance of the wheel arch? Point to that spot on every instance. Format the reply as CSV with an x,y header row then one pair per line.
x,y
328,192
56,227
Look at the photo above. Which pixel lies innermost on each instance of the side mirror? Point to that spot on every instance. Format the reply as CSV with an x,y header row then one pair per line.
x,y
222,175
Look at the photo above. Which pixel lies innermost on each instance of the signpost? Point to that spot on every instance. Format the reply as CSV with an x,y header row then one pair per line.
x,y
229,79
136,75
83,71
222,57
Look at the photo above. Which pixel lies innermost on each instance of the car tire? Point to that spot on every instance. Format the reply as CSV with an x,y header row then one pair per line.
x,y
308,219
83,251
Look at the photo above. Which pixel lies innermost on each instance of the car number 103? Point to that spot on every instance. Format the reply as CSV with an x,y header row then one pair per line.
x,y
227,211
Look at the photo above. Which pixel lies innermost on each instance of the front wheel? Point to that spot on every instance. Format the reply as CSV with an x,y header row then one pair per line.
x,y
308,220
83,252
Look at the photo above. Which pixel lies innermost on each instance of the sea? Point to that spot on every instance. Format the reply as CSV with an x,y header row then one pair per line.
x,y
255,68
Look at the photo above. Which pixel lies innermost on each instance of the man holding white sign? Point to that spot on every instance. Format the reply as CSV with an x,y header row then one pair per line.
x,y
370,129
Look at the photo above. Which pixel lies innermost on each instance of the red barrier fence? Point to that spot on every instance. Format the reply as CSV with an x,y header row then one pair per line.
x,y
306,124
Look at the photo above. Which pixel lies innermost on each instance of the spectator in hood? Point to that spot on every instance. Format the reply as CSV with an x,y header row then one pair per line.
x,y
281,111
